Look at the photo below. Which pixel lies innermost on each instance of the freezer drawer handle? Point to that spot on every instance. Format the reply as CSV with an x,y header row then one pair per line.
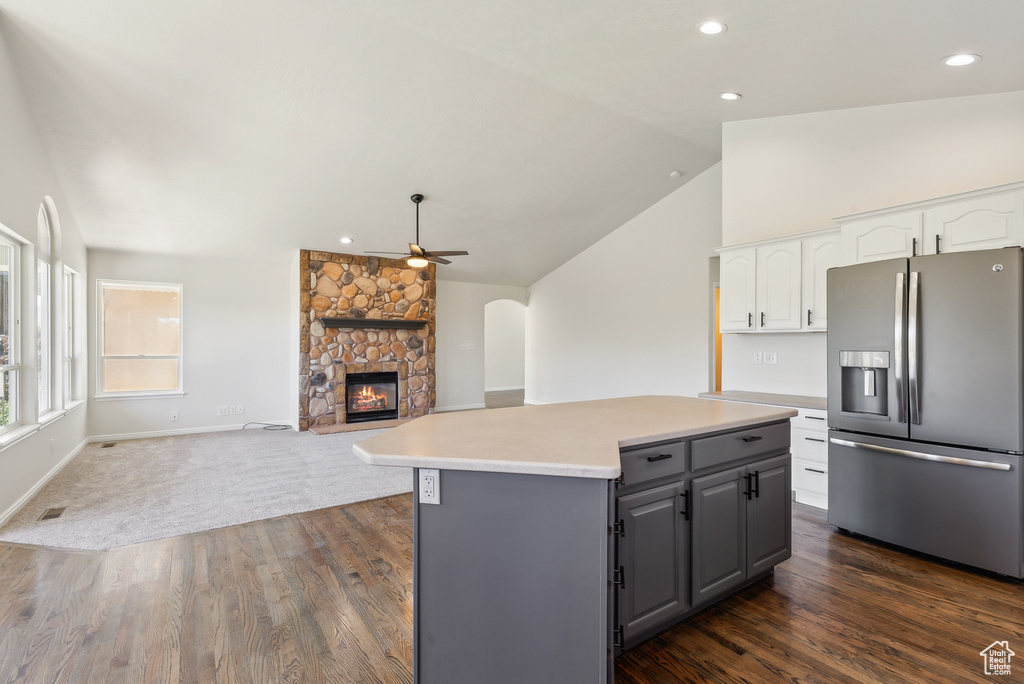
x,y
924,457
659,457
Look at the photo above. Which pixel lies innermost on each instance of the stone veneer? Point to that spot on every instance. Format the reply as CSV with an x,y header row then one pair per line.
x,y
346,286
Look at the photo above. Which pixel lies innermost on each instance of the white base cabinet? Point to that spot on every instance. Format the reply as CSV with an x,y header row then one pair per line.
x,y
810,457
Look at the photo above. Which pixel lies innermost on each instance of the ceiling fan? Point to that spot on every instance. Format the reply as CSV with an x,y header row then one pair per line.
x,y
417,257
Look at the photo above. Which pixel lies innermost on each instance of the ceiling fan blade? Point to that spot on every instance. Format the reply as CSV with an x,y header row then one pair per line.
x,y
402,253
458,252
415,249
436,259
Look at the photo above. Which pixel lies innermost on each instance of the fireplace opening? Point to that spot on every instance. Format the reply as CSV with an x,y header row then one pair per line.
x,y
371,396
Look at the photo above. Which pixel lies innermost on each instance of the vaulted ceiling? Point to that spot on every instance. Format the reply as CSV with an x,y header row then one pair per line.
x,y
534,128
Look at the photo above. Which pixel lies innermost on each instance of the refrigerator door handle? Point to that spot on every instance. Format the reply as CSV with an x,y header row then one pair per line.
x,y
901,409
990,465
912,365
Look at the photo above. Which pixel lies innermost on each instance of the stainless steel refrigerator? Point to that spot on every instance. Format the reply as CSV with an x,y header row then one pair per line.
x,y
925,401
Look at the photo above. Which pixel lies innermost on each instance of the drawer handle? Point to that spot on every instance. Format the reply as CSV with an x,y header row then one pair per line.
x,y
814,418
752,438
814,439
659,457
815,470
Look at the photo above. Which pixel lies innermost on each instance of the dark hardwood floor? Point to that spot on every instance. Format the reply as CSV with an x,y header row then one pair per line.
x,y
326,596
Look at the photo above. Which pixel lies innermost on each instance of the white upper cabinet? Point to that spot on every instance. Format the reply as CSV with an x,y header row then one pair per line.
x,y
820,253
883,237
989,218
736,298
778,286
980,223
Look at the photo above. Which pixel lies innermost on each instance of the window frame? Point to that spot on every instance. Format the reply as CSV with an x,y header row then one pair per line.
x,y
101,393
71,349
14,294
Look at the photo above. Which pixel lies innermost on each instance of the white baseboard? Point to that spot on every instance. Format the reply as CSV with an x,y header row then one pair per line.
x,y
533,402
187,431
463,407
27,496
504,389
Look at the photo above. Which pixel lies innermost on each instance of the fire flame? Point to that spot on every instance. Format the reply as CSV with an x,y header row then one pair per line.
x,y
367,400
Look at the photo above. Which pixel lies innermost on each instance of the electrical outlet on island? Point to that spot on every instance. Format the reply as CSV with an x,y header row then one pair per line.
x,y
430,486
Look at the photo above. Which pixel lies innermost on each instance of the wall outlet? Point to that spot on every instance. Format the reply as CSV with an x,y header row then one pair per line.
x,y
430,486
174,416
222,410
240,409
231,409
758,358
771,358
456,394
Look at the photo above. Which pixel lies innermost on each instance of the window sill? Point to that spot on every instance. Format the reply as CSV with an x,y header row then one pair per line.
x,y
17,434
138,395
51,416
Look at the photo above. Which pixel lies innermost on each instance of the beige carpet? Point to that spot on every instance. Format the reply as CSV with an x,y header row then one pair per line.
x,y
145,489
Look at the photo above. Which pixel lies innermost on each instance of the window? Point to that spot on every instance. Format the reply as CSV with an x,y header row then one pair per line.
x,y
140,338
72,343
10,257
44,305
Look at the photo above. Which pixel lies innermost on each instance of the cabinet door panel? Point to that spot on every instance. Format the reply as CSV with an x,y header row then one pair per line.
x,y
737,295
654,555
719,534
769,515
778,286
820,253
982,223
885,237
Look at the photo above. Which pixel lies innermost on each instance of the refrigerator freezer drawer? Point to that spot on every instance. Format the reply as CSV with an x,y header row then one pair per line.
x,y
960,508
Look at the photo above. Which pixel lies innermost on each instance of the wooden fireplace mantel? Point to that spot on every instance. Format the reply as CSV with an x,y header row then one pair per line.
x,y
407,324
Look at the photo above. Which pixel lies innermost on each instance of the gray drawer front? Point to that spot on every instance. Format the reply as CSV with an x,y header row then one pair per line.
x,y
649,463
733,446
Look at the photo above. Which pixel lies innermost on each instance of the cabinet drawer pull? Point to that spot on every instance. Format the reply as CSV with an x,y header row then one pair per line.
x,y
815,470
814,418
659,457
808,317
752,438
814,439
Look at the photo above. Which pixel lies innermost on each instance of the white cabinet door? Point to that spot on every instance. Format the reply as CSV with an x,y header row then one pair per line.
x,y
736,305
981,223
778,286
883,237
820,253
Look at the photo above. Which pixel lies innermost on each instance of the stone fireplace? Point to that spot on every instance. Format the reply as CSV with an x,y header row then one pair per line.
x,y
363,315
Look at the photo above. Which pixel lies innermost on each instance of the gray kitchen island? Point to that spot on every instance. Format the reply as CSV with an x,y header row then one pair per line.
x,y
547,539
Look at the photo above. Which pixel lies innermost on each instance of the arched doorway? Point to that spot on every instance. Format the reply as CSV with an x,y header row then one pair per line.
x,y
504,353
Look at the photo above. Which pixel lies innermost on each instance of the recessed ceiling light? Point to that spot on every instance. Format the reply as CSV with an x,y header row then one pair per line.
x,y
346,240
729,96
711,28
961,60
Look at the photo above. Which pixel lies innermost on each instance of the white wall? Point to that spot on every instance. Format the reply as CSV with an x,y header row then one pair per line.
x,y
630,314
789,174
504,345
26,177
794,173
459,361
238,343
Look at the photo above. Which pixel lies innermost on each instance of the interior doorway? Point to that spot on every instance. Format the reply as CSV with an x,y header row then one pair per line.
x,y
504,353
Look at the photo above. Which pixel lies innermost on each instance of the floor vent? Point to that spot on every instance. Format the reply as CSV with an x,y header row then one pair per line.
x,y
52,513
107,445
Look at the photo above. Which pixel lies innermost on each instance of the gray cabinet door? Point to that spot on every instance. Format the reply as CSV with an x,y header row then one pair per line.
x,y
769,514
719,534
654,556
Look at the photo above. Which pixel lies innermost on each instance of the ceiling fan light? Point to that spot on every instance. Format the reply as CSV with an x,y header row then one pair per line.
x,y
417,262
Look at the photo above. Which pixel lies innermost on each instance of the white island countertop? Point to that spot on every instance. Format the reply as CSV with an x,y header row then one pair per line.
x,y
576,439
